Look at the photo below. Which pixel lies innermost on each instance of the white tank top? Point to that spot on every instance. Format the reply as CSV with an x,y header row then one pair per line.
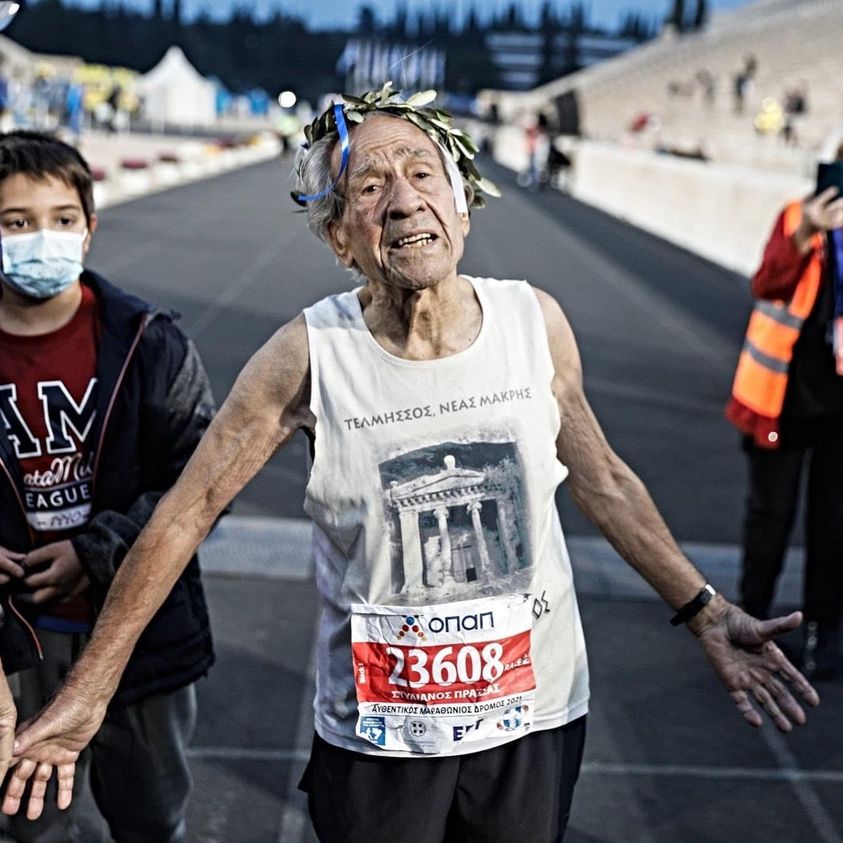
x,y
449,621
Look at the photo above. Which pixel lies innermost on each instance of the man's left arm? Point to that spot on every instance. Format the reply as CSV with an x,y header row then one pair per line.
x,y
176,420
740,648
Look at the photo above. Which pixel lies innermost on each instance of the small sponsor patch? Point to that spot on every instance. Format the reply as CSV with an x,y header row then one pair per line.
x,y
513,718
416,728
373,729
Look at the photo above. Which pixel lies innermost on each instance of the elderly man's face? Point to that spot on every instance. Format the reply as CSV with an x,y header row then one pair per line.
x,y
400,225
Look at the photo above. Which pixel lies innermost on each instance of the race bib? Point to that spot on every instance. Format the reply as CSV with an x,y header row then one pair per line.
x,y
431,677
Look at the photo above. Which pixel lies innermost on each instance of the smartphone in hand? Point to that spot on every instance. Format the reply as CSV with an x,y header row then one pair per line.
x,y
830,175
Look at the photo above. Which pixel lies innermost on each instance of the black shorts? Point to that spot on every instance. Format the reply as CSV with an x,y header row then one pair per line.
x,y
520,791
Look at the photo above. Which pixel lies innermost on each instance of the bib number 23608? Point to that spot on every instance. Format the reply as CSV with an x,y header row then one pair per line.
x,y
464,664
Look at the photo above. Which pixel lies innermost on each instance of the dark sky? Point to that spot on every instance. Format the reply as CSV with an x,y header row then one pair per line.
x,y
324,14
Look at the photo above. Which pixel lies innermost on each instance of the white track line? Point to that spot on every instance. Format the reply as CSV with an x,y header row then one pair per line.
x,y
784,774
246,753
294,817
824,825
597,768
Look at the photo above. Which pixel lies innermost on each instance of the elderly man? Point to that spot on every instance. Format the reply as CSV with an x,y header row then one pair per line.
x,y
444,411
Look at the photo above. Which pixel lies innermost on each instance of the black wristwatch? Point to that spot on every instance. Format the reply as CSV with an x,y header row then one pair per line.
x,y
693,607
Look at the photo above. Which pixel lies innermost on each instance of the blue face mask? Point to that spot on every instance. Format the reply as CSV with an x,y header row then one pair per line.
x,y
42,264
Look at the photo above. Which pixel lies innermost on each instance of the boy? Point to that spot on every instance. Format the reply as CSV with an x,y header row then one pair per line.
x,y
102,401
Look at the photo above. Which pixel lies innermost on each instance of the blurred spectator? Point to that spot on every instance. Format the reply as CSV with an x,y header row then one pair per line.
x,y
74,111
113,118
787,398
45,98
795,105
708,84
288,127
679,89
796,99
5,113
745,83
41,99
558,165
769,119
537,143
20,99
739,92
640,122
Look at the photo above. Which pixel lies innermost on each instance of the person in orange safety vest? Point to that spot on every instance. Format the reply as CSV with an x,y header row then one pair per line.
x,y
787,400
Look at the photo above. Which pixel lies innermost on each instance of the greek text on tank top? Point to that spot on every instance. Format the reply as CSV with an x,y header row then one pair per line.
x,y
449,622
48,391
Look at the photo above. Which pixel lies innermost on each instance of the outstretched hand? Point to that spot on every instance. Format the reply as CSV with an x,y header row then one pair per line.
x,y
8,718
40,775
754,670
25,769
62,730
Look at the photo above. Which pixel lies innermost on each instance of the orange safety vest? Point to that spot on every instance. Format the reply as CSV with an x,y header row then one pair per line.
x,y
761,378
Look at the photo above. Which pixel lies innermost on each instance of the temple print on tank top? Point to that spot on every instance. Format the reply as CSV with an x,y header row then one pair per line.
x,y
455,516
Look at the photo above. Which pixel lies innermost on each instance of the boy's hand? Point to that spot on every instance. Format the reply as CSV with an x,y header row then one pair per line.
x,y
63,577
10,565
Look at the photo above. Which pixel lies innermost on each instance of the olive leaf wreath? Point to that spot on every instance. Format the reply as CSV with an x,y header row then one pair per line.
x,y
434,122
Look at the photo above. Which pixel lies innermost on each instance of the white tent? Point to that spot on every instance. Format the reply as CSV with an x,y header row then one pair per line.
x,y
175,92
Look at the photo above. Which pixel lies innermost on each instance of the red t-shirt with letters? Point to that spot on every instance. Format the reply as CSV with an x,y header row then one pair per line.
x,y
48,392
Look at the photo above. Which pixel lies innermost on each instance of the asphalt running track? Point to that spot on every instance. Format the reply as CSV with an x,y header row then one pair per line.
x,y
667,759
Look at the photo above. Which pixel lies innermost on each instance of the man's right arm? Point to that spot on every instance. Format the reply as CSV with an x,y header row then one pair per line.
x,y
267,405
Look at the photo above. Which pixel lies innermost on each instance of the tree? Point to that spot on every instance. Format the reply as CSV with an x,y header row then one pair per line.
x,y
472,23
442,25
367,21
677,18
579,18
636,26
629,27
513,20
547,17
400,22
549,27
577,24
701,16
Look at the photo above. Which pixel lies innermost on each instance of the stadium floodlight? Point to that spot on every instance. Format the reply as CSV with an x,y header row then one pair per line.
x,y
8,12
286,99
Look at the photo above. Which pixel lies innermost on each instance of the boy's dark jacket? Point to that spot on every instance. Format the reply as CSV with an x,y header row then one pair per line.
x,y
154,404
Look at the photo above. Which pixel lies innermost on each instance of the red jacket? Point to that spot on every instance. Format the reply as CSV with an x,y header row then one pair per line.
x,y
782,265
785,287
